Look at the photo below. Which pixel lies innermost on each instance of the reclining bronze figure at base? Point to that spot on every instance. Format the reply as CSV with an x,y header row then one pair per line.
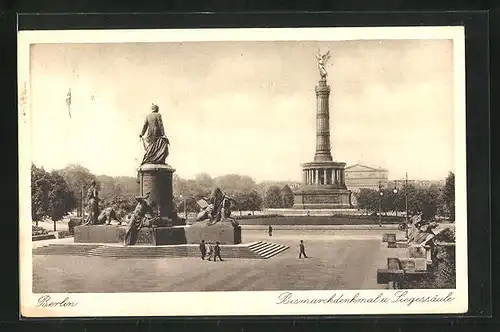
x,y
142,211
216,207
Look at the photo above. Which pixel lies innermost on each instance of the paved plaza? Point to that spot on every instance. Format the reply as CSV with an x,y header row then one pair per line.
x,y
338,260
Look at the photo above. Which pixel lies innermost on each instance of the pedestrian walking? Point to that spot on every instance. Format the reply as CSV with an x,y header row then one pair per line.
x,y
203,249
302,249
217,252
270,230
210,250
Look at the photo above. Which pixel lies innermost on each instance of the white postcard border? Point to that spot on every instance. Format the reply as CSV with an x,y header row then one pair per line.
x,y
242,303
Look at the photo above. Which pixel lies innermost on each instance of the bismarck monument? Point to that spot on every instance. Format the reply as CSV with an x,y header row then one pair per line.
x,y
155,220
323,185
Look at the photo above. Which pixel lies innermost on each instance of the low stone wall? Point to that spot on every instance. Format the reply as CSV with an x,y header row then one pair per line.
x,y
43,237
320,220
312,212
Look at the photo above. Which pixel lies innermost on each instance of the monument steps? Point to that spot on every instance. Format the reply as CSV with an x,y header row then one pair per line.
x,y
267,249
270,250
256,250
64,249
258,245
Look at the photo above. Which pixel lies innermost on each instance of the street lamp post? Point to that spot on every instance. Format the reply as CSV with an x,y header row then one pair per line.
x,y
406,197
395,191
185,209
380,204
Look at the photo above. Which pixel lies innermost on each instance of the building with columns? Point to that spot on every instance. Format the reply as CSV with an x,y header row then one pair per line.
x,y
323,179
365,177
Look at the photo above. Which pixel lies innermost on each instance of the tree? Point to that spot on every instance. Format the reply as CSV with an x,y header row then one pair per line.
x,y
423,201
61,199
116,190
122,205
273,197
248,201
39,193
287,196
127,185
449,195
235,182
203,180
430,201
367,199
108,189
78,179
254,201
391,201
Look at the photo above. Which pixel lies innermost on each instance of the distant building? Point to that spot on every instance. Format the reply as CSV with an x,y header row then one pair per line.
x,y
365,177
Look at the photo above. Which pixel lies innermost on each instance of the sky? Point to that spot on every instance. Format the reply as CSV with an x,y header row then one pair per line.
x,y
245,107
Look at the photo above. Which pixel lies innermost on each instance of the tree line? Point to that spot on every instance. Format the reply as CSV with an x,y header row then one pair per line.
x,y
56,193
248,195
429,201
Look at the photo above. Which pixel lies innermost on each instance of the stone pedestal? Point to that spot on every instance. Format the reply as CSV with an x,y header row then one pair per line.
x,y
156,179
223,232
324,197
115,234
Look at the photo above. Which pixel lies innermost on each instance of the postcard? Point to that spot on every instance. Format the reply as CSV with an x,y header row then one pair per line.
x,y
330,164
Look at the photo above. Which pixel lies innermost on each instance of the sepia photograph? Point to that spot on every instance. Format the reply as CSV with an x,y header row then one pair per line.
x,y
201,172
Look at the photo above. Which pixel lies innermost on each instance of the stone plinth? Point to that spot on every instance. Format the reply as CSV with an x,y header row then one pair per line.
x,y
224,232
321,197
156,179
116,234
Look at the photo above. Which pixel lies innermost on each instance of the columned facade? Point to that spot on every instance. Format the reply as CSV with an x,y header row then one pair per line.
x,y
331,174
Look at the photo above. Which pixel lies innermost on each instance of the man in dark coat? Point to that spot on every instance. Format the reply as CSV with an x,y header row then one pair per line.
x,y
203,249
217,252
302,249
157,148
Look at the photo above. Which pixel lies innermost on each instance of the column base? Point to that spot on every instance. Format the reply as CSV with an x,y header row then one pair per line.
x,y
322,198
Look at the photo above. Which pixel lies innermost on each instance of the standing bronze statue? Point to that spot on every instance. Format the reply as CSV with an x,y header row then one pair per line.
x,y
93,204
157,142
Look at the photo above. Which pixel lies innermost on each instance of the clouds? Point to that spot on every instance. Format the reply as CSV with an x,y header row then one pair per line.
x,y
245,107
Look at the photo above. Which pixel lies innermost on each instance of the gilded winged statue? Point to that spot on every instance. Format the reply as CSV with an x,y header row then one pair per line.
x,y
322,61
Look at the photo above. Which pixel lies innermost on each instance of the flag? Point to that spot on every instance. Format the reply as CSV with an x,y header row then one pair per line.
x,y
68,102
